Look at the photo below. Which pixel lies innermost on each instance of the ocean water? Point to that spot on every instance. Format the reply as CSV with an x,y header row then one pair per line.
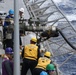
x,y
69,68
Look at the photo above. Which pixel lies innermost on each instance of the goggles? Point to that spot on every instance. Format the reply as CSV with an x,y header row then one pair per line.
x,y
50,70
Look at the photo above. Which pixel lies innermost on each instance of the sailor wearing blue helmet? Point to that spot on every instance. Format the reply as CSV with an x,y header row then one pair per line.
x,y
9,20
9,17
11,12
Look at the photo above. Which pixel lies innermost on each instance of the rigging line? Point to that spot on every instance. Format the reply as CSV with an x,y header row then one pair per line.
x,y
65,27
49,47
46,22
54,23
63,15
66,39
60,47
61,40
33,21
66,60
63,47
61,54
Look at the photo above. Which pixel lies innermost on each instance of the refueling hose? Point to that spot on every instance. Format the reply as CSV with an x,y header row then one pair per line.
x,y
69,43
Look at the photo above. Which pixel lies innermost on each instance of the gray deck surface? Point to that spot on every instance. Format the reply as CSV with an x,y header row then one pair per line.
x,y
29,73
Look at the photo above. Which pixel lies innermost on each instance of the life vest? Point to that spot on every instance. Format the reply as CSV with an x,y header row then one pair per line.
x,y
43,62
7,20
30,51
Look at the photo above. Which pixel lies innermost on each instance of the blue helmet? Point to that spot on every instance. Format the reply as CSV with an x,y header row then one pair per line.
x,y
8,50
11,11
43,73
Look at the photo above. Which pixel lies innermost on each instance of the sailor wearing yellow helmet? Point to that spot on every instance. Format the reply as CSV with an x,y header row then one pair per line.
x,y
42,63
30,55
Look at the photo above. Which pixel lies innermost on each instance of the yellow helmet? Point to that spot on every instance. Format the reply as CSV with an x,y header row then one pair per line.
x,y
34,39
47,53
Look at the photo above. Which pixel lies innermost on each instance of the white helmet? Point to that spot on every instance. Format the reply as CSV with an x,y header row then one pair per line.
x,y
21,9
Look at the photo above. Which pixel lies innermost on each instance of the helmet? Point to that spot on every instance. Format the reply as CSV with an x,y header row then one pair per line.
x,y
11,11
9,50
43,73
21,9
50,67
48,54
34,39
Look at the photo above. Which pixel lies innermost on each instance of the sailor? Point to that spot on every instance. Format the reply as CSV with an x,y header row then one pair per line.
x,y
21,20
42,63
30,55
21,13
43,73
50,69
7,34
7,64
9,19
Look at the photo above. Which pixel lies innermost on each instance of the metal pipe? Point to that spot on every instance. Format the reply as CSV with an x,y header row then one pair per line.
x,y
16,39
